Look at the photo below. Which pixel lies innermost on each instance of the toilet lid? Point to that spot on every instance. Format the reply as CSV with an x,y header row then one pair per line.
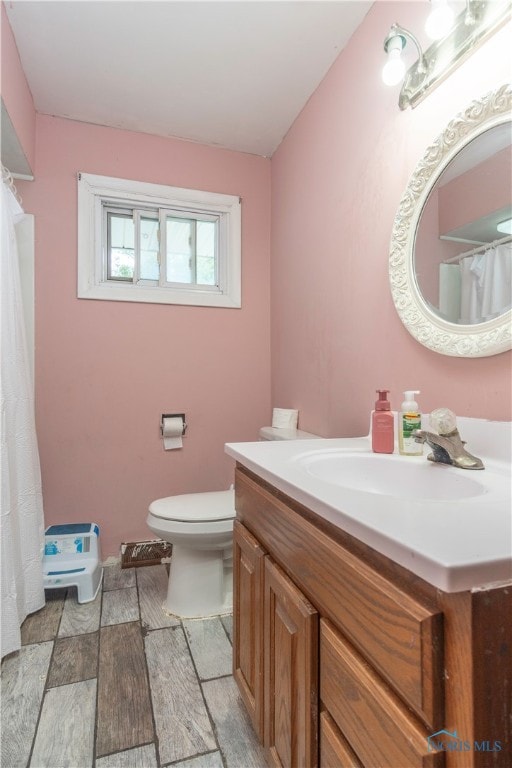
x,y
196,507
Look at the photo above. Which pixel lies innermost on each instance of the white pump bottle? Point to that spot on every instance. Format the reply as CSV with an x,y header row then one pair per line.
x,y
409,419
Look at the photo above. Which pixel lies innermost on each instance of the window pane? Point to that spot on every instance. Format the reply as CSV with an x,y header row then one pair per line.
x,y
149,267
121,254
180,251
206,237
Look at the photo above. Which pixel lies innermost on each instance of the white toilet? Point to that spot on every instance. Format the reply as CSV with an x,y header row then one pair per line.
x,y
200,528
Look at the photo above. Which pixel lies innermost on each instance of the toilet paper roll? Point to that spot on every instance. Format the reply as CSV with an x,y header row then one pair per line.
x,y
172,432
285,418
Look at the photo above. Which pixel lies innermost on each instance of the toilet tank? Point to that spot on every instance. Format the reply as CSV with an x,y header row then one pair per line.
x,y
276,433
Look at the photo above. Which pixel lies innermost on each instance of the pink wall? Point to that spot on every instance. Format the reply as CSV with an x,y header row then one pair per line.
x,y
106,371
337,180
16,94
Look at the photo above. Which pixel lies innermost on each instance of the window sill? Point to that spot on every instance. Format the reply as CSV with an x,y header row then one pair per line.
x,y
157,295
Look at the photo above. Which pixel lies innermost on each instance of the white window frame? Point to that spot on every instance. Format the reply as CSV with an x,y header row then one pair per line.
x,y
94,192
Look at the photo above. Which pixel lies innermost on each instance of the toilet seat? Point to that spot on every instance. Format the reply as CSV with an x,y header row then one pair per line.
x,y
196,507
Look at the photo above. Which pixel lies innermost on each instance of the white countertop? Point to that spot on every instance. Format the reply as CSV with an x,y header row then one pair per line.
x,y
455,544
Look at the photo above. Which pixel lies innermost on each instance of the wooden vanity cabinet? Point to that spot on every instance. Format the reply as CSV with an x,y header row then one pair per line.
x,y
346,660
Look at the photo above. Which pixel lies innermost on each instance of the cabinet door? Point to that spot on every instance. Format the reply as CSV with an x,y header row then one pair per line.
x,y
248,559
291,673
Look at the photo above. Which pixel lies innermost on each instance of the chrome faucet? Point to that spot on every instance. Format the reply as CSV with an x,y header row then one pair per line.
x,y
447,446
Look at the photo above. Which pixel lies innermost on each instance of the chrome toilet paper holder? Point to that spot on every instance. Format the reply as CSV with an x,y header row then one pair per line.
x,y
172,416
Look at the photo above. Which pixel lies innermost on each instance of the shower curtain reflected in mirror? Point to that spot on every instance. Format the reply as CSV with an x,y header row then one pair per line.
x,y
477,288
21,504
486,284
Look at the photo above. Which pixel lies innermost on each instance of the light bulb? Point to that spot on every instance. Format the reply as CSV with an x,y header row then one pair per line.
x,y
440,20
394,68
505,227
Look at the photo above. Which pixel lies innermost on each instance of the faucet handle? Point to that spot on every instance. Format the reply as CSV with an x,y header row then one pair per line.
x,y
443,421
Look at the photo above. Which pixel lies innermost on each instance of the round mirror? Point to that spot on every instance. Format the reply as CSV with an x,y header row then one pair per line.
x,y
451,249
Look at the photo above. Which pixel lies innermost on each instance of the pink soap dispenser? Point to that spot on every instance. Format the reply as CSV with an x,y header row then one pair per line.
x,y
383,424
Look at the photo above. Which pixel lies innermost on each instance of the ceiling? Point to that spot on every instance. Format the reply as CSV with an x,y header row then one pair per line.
x,y
233,74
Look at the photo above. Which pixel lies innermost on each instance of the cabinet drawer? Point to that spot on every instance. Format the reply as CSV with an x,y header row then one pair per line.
x,y
400,636
335,752
378,727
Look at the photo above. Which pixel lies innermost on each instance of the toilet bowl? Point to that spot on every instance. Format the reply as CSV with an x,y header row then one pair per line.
x,y
200,528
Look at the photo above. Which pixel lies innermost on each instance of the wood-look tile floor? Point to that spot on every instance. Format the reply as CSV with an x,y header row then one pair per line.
x,y
117,683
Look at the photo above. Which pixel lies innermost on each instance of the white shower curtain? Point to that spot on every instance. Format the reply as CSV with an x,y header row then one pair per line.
x,y
21,503
486,289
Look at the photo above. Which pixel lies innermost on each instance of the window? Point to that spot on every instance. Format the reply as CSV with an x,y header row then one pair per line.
x,y
153,243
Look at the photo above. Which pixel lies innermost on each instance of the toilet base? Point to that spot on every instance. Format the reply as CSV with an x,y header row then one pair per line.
x,y
200,583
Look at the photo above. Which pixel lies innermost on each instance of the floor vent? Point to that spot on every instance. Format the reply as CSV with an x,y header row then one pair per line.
x,y
138,553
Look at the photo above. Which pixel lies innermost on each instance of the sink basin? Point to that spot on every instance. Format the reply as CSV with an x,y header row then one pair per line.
x,y
449,526
392,475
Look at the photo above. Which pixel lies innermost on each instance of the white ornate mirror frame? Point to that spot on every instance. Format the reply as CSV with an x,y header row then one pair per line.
x,y
427,327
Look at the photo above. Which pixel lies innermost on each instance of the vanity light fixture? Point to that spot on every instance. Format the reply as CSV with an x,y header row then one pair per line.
x,y
455,40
